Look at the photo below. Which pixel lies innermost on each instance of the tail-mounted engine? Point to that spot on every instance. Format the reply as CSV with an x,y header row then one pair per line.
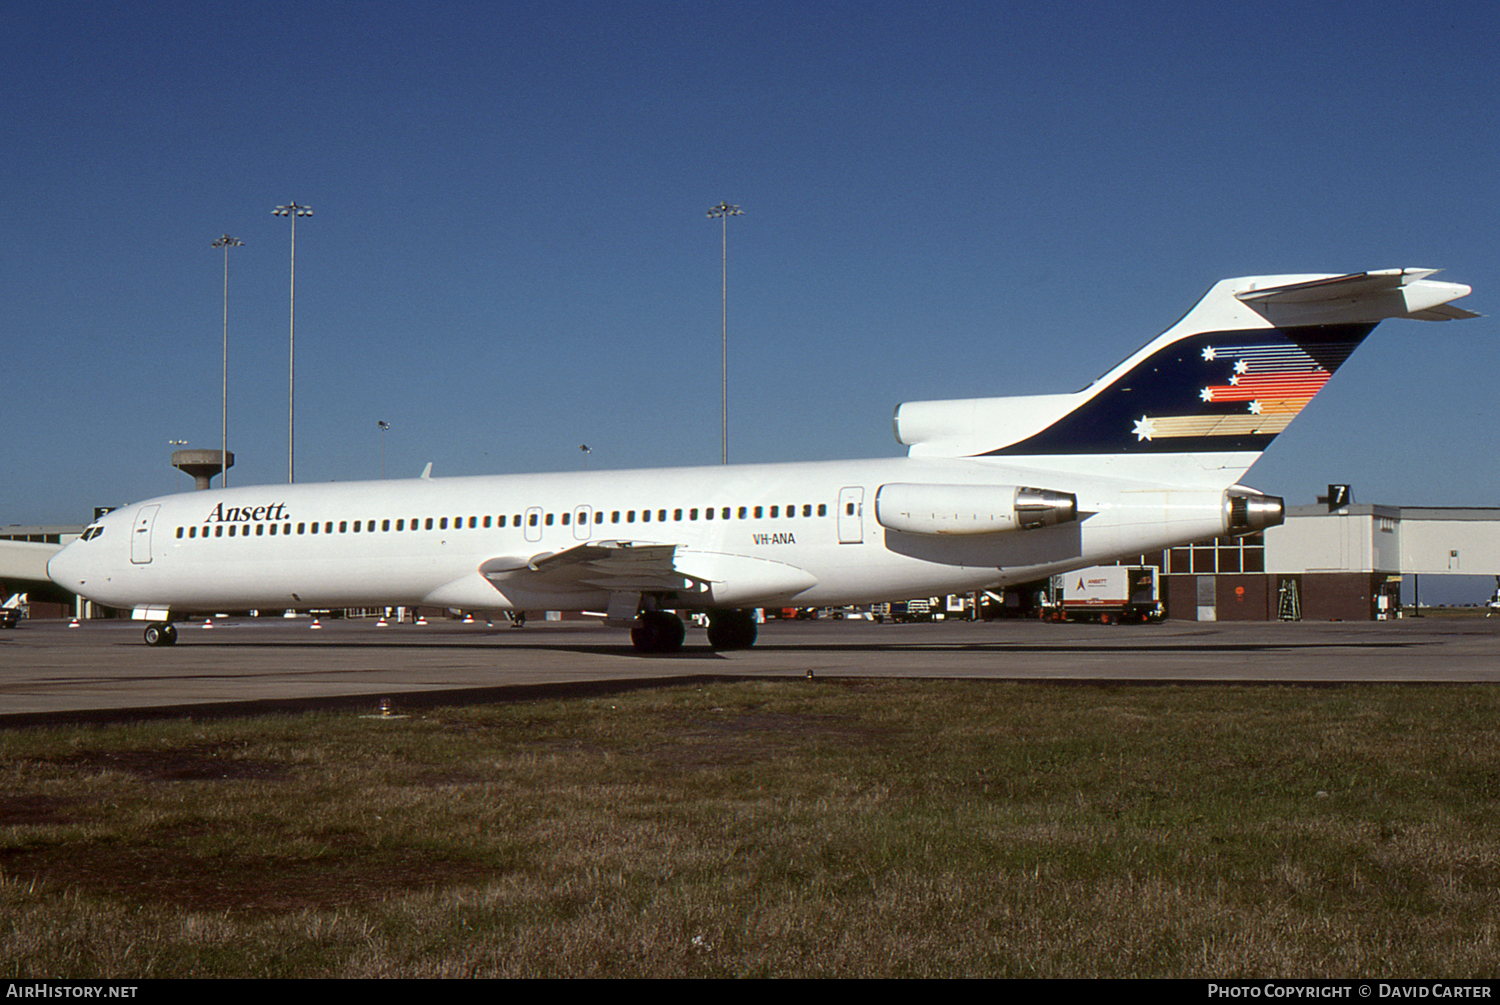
x,y
970,509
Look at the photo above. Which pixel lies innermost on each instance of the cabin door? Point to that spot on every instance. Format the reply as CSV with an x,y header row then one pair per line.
x,y
140,535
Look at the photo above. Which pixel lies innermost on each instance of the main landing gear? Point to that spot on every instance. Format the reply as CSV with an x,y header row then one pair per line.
x,y
662,632
731,629
161,633
657,632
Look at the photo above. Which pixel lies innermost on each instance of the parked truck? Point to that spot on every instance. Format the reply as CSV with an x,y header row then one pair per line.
x,y
1108,594
904,611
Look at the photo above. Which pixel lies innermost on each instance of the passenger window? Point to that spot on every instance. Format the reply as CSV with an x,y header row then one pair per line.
x,y
614,517
708,514
532,520
328,526
443,523
565,518
693,513
500,520
677,515
474,522
645,516
549,520
743,511
260,529
661,516
356,527
630,517
822,509
344,526
179,531
486,521
758,511
219,531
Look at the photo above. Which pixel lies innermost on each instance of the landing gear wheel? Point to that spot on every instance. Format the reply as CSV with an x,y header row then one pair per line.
x,y
164,634
657,632
731,629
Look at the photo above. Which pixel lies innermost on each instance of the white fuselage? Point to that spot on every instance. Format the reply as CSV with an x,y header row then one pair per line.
x,y
744,536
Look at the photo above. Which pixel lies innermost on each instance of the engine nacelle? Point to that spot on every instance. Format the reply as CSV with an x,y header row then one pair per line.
x,y
970,509
1250,512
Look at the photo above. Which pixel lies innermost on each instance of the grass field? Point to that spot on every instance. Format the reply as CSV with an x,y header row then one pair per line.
x,y
772,828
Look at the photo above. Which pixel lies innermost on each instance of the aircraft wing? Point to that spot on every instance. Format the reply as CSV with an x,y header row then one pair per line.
x,y
26,560
629,570
616,566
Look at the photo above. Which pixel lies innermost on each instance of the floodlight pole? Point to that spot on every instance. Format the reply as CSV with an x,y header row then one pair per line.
x,y
226,242
722,212
292,210
383,427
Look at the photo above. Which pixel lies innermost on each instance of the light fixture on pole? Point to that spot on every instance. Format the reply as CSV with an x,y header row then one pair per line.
x,y
292,210
383,427
226,242
722,212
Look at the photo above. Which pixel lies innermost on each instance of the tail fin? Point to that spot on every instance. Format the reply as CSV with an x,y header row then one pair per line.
x,y
1227,378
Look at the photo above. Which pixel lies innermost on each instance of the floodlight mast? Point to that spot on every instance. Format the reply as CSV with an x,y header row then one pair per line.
x,y
722,212
226,242
292,210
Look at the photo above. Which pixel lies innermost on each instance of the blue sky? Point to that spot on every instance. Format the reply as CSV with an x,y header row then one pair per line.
x,y
510,255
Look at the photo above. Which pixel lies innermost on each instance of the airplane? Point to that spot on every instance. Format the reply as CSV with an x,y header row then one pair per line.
x,y
992,491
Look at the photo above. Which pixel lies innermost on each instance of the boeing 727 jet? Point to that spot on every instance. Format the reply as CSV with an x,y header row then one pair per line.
x,y
992,491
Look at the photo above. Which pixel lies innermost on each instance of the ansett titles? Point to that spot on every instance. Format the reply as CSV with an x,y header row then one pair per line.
x,y
246,514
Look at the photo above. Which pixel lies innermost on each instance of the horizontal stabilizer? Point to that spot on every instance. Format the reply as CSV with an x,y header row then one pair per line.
x,y
1359,297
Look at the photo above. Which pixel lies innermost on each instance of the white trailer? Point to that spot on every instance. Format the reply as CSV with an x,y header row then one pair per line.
x,y
1107,594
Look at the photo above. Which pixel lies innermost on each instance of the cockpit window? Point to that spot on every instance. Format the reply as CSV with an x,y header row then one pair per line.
x,y
92,532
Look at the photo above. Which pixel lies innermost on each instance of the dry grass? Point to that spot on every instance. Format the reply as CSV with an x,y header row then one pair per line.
x,y
772,828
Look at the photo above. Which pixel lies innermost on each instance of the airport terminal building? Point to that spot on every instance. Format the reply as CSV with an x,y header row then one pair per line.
x,y
1345,564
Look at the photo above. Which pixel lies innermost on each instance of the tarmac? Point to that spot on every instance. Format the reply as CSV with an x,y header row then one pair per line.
x,y
101,671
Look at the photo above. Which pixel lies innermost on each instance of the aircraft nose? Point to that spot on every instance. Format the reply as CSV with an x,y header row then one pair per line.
x,y
63,568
